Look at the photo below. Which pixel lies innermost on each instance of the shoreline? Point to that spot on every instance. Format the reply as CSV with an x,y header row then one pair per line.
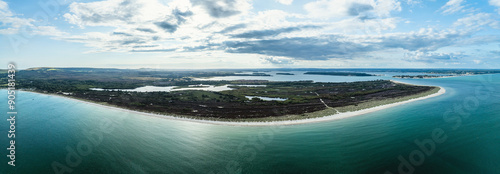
x,y
337,116
452,76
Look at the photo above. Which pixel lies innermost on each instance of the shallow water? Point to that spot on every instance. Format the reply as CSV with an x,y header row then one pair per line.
x,y
266,98
49,128
169,88
299,75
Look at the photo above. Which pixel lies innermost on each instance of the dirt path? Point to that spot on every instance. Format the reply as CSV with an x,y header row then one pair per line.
x,y
326,104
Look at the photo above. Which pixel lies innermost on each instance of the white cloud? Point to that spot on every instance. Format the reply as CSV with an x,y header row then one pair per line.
x,y
354,30
11,24
188,25
4,9
431,57
285,2
180,25
115,12
113,42
477,21
266,33
367,27
478,40
141,24
224,8
452,6
150,25
276,60
326,9
355,16
340,46
495,3
413,2
48,31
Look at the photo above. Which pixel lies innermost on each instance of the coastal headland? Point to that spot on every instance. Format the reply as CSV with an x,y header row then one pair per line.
x,y
233,102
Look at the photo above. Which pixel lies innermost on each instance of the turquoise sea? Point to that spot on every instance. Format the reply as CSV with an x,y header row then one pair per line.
x,y
458,132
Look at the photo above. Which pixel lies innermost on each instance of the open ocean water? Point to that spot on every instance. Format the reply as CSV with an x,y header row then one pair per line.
x,y
458,132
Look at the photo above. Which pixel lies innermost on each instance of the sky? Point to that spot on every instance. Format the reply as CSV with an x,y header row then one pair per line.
x,y
230,34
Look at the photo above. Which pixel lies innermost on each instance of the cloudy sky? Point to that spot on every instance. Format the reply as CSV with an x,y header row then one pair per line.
x,y
184,34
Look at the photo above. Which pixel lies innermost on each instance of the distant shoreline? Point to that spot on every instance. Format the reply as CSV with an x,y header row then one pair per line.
x,y
327,117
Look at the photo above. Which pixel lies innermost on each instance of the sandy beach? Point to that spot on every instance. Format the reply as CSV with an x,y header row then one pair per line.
x,y
272,123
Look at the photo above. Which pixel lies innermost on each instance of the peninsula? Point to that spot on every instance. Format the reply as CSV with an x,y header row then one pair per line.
x,y
177,94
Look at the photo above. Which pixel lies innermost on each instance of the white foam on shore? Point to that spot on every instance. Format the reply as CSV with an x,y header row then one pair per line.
x,y
270,123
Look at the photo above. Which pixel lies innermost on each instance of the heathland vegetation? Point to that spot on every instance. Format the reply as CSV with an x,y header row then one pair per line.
x,y
304,99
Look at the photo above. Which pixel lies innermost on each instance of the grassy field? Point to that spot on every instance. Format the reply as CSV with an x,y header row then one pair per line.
x,y
322,113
